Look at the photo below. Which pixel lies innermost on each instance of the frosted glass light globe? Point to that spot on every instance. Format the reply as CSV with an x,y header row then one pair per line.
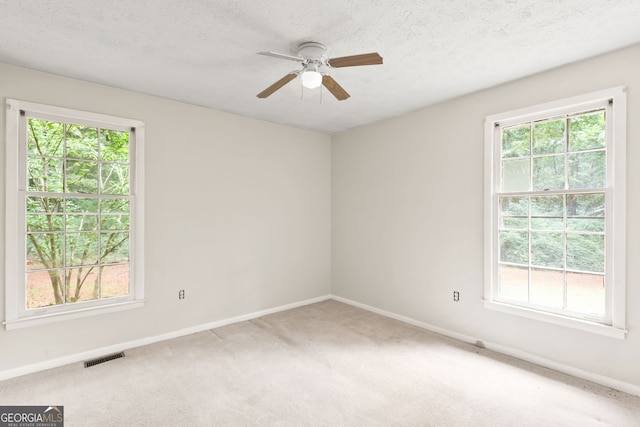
x,y
311,79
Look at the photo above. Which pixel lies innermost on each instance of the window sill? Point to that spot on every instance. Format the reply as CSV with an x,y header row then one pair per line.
x,y
583,325
47,318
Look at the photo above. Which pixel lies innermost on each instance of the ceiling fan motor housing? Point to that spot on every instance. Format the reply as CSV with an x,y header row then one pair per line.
x,y
312,51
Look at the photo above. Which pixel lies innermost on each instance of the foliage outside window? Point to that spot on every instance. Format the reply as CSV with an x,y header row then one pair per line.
x,y
76,198
553,239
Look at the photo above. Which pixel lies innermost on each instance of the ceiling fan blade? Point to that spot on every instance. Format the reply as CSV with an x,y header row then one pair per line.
x,y
335,89
277,85
282,56
356,60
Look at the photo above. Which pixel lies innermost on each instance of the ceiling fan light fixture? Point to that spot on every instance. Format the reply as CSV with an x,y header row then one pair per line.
x,y
311,79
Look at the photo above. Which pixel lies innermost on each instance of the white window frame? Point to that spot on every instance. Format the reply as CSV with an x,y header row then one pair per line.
x,y
16,314
614,320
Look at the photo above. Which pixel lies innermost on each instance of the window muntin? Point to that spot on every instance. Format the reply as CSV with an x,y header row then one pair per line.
x,y
554,240
74,199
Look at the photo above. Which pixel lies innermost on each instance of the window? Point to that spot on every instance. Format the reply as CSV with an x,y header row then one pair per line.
x,y
555,212
74,205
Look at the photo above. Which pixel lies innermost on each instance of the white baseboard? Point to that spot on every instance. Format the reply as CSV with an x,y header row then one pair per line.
x,y
85,355
509,351
79,357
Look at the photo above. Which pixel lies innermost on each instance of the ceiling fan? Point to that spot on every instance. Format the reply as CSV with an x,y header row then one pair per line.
x,y
312,56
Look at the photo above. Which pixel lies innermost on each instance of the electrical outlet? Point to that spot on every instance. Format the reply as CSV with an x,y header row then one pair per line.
x,y
456,296
181,294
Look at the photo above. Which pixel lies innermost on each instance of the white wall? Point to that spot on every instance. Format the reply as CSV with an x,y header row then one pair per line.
x,y
407,217
244,214
237,214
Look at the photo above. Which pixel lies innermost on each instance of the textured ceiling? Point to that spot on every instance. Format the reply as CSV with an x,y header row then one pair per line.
x,y
204,52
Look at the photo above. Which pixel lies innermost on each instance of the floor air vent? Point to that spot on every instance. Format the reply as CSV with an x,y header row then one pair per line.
x,y
90,363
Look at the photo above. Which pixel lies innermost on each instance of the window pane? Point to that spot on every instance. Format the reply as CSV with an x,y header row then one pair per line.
x,y
516,175
45,174
82,222
114,146
82,284
548,173
587,170
580,224
585,212
45,288
45,138
547,288
114,222
82,204
547,250
114,205
585,293
585,252
587,131
514,212
114,281
44,204
82,142
514,247
44,222
585,205
514,283
548,137
115,178
547,212
82,177
82,249
114,247
516,141
44,250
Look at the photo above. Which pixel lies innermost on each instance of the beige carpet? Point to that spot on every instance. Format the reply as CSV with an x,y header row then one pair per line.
x,y
326,364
